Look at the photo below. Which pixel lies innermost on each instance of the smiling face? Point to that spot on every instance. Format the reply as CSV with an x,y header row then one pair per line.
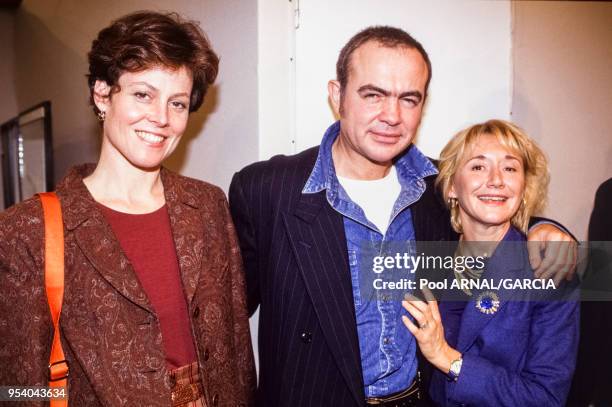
x,y
380,108
146,118
489,185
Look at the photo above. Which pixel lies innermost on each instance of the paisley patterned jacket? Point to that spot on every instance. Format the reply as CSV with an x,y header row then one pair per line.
x,y
110,333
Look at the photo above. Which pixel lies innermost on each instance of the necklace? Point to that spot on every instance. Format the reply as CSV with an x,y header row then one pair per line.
x,y
469,249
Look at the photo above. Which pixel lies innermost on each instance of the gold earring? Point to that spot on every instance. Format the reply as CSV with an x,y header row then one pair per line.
x,y
101,115
452,202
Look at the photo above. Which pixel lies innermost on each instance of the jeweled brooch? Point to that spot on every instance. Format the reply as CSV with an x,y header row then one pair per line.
x,y
487,302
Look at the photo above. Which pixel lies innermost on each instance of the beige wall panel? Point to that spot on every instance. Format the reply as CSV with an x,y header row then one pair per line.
x,y
562,83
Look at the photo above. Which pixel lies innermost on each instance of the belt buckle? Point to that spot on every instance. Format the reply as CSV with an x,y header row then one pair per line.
x,y
413,389
185,393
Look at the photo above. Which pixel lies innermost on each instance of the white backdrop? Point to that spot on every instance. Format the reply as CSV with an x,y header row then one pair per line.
x,y
468,43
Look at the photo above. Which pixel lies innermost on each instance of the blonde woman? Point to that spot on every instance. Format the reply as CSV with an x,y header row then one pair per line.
x,y
492,352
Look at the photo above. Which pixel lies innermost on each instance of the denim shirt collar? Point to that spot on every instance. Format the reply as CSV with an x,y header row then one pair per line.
x,y
411,165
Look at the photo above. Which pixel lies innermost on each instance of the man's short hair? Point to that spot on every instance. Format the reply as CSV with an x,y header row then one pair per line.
x,y
386,36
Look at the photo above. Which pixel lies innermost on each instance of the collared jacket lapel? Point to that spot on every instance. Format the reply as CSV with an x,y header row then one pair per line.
x,y
98,242
317,237
185,214
506,261
96,239
296,263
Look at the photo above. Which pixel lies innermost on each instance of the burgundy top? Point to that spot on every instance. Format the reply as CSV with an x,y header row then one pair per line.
x,y
148,244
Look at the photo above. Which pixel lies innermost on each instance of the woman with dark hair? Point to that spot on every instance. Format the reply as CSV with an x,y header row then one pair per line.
x,y
154,310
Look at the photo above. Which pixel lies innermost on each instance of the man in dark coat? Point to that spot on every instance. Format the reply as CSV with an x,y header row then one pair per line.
x,y
300,221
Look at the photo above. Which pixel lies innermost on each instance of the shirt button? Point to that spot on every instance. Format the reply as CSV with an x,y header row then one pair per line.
x,y
206,355
386,341
306,337
196,312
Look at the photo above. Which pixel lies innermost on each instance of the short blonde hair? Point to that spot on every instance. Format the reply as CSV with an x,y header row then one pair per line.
x,y
513,138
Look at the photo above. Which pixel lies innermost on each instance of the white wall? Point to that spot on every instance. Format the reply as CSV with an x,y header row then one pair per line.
x,y
54,36
563,96
276,77
468,43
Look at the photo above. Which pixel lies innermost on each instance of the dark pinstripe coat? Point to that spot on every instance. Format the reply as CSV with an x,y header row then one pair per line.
x,y
295,255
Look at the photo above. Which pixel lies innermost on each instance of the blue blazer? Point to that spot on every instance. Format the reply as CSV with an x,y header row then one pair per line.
x,y
522,355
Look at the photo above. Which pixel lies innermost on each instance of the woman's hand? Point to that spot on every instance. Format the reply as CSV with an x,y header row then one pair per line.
x,y
430,332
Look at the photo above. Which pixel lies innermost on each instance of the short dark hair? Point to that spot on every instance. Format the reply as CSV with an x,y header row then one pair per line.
x,y
386,36
146,39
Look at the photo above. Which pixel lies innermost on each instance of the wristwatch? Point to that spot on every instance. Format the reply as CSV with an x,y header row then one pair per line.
x,y
455,369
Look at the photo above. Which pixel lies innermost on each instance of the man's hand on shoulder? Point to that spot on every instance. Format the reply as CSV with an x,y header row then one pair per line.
x,y
552,252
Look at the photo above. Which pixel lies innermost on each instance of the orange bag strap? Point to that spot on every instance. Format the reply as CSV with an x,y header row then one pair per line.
x,y
54,285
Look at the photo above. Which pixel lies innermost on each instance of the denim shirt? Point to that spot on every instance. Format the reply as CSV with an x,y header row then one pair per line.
x,y
388,349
